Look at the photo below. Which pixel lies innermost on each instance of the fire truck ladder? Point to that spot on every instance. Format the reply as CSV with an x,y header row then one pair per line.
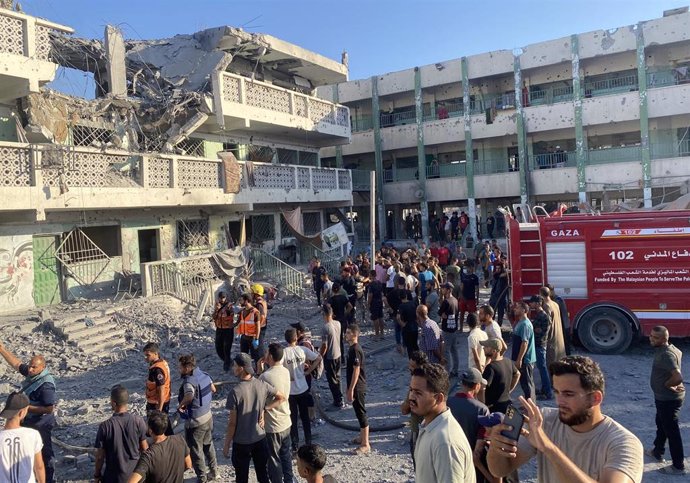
x,y
531,255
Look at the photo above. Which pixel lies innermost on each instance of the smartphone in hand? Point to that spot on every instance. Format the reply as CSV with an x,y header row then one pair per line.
x,y
515,419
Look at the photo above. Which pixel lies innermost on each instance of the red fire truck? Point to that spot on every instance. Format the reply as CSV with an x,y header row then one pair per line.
x,y
620,274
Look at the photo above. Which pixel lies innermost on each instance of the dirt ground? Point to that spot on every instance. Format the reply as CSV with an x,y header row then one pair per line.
x,y
83,385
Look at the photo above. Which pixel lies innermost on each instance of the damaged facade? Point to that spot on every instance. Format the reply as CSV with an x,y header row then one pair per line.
x,y
602,116
188,146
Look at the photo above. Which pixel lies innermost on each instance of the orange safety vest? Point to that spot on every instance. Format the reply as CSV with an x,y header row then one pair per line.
x,y
224,317
247,322
151,387
263,312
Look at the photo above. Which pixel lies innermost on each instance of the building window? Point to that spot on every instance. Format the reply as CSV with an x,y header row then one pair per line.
x,y
193,235
191,147
261,228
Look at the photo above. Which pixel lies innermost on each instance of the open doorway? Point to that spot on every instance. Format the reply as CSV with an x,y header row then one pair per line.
x,y
148,246
235,231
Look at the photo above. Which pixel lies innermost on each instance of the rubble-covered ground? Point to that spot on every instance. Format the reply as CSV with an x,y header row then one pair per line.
x,y
84,383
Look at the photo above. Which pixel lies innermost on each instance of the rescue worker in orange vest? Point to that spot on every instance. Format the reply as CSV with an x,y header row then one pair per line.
x,y
157,383
224,318
262,306
249,327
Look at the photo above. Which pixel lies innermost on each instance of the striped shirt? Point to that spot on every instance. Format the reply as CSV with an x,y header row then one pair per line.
x,y
430,340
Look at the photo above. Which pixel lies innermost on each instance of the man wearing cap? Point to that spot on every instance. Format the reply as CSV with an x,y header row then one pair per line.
x,y
466,408
223,317
119,440
449,326
20,448
39,386
247,402
500,374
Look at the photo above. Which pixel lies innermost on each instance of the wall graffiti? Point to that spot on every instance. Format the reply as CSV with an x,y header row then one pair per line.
x,y
16,272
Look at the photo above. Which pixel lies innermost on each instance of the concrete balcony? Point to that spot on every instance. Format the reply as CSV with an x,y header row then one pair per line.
x,y
254,108
25,62
44,178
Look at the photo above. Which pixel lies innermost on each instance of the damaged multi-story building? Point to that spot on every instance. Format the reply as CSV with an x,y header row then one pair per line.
x,y
596,117
188,146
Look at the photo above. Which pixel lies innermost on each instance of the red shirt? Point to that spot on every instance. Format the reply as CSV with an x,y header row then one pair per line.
x,y
443,256
434,252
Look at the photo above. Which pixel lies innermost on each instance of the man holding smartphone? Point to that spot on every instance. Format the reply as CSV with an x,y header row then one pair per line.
x,y
574,443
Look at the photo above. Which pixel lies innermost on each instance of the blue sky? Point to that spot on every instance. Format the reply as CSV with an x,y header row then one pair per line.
x,y
379,35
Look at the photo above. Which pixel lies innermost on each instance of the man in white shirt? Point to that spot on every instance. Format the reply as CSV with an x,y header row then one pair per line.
x,y
294,359
489,325
475,357
20,448
277,421
442,452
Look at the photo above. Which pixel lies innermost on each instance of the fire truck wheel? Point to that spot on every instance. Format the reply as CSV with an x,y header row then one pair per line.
x,y
605,330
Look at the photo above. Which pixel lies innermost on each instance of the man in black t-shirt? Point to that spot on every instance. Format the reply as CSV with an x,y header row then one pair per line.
x,y
166,459
501,376
342,308
407,321
469,290
316,278
119,441
449,325
357,386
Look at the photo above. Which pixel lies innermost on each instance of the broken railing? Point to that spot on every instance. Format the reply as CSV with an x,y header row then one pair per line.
x,y
172,278
267,266
330,259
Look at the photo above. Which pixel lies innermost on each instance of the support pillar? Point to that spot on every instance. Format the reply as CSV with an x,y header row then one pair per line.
x,y
469,151
378,158
644,118
521,133
421,153
580,153
338,149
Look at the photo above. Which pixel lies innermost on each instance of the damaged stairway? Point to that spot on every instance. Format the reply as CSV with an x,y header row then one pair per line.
x,y
96,333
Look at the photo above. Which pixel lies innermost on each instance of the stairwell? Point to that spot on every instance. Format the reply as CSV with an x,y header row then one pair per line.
x,y
93,333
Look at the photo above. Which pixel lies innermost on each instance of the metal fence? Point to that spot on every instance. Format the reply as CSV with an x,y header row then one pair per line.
x,y
267,266
168,279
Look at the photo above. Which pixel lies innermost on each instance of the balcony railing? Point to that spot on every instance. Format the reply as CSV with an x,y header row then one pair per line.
x,y
614,155
492,166
27,36
398,118
550,95
563,159
492,101
605,87
362,123
241,90
24,165
669,77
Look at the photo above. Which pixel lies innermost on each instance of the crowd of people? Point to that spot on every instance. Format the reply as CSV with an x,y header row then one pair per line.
x,y
429,295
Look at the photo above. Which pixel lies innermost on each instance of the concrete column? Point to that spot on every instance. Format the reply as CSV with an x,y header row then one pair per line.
x,y
421,153
278,236
521,132
116,73
580,144
644,118
338,149
378,157
469,151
